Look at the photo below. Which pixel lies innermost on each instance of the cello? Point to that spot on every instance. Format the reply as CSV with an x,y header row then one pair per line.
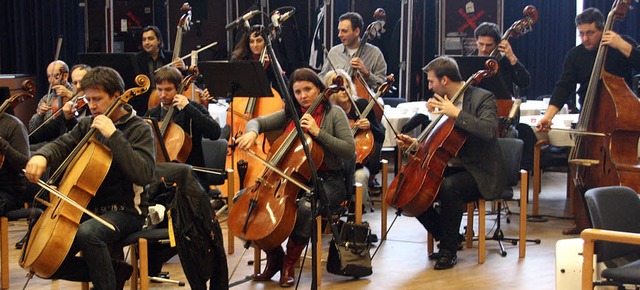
x,y
16,99
79,177
415,188
177,142
266,213
374,30
610,108
364,138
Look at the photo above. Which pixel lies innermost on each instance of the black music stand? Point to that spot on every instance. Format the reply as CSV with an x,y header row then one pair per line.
x,y
231,79
238,78
468,65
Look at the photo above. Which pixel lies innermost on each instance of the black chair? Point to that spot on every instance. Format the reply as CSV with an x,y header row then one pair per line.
x,y
615,214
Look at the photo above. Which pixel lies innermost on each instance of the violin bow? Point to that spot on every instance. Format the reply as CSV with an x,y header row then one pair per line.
x,y
58,47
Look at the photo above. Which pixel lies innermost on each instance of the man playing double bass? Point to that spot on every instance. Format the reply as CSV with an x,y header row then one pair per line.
x,y
118,199
577,67
477,169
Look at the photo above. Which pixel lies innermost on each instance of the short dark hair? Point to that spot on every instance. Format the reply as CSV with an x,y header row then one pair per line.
x,y
488,29
156,31
355,18
168,74
103,78
591,15
444,66
80,66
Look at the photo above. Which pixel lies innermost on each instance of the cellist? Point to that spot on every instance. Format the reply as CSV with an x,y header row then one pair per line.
x,y
370,64
577,68
14,146
118,199
192,117
476,171
351,105
329,128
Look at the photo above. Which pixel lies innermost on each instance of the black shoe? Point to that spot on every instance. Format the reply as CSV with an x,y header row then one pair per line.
x,y
375,189
446,260
20,243
123,273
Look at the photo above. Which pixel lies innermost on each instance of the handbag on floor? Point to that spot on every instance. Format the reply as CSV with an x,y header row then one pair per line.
x,y
349,251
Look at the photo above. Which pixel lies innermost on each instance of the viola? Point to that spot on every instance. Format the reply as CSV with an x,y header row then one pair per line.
x,y
265,214
612,109
415,188
78,179
374,30
364,138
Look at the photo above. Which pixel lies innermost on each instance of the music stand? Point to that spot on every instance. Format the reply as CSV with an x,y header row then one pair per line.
x,y
238,78
468,65
124,63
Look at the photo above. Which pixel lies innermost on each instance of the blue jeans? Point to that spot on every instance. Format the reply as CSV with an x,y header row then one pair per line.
x,y
93,239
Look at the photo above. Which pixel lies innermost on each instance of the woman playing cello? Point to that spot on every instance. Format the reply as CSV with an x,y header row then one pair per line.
x,y
476,170
329,128
368,126
118,198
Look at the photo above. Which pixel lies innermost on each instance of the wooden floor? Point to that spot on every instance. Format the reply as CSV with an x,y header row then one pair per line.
x,y
401,262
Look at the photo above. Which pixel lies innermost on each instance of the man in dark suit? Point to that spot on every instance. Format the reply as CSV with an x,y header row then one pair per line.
x,y
477,169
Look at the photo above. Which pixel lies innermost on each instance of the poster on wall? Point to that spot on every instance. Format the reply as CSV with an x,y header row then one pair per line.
x,y
458,20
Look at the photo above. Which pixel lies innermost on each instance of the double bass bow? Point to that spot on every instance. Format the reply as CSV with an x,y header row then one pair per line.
x,y
265,214
415,188
79,178
611,109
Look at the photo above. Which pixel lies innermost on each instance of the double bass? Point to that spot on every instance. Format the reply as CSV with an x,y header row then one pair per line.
x,y
610,108
241,110
78,178
266,213
415,188
374,30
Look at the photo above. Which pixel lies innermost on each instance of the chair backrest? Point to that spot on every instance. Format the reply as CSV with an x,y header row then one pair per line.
x,y
215,156
511,155
615,208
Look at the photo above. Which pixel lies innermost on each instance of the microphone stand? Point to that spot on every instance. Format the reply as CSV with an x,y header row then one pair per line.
x,y
313,195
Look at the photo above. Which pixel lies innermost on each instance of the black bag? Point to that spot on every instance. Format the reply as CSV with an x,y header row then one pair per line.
x,y
349,252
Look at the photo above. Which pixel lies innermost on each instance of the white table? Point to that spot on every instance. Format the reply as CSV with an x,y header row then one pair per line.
x,y
396,118
218,112
535,108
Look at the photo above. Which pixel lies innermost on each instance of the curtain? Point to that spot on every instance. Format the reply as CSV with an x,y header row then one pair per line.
x,y
542,50
30,29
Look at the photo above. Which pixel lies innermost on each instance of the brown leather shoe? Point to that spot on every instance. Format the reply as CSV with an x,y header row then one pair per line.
x,y
274,264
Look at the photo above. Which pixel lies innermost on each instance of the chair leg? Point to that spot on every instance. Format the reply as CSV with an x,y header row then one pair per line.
x,y
135,275
469,231
481,230
143,246
4,248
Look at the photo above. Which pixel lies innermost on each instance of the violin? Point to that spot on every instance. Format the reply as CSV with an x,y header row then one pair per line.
x,y
415,188
78,178
265,214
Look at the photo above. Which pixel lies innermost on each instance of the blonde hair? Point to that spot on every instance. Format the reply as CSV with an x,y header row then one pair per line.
x,y
348,84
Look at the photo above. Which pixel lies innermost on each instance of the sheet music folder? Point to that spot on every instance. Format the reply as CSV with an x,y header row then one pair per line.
x,y
469,65
240,78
